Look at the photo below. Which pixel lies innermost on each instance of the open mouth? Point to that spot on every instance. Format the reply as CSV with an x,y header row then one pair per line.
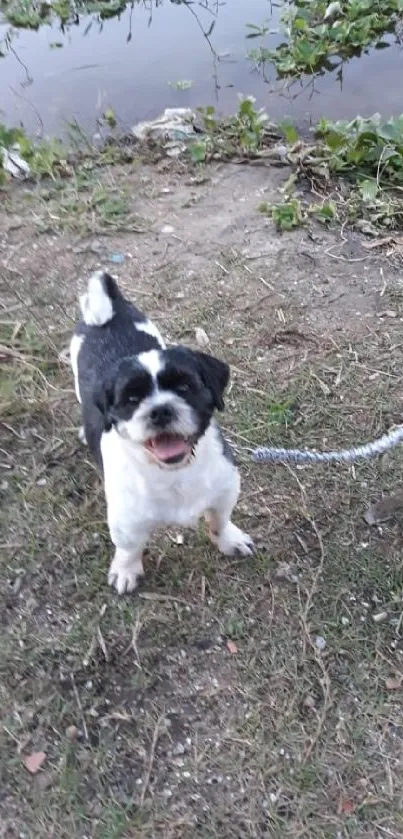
x,y
169,448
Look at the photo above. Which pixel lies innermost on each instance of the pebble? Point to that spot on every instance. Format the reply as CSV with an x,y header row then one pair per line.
x,y
202,338
320,643
72,733
380,617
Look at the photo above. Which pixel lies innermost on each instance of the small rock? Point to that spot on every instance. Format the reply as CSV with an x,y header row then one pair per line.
x,y
44,780
167,229
17,584
72,733
283,571
179,749
379,617
202,339
34,761
393,684
281,150
333,11
96,246
320,643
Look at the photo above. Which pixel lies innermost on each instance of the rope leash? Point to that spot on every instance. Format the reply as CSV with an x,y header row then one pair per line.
x,y
272,455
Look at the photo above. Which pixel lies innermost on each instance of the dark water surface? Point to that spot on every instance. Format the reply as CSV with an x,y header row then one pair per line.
x,y
44,87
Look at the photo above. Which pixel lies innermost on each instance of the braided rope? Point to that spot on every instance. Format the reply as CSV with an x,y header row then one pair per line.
x,y
376,447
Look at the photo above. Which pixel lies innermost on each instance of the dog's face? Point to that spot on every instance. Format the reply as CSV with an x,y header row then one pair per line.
x,y
163,401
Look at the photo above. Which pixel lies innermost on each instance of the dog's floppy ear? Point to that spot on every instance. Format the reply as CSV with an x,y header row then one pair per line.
x,y
103,398
215,375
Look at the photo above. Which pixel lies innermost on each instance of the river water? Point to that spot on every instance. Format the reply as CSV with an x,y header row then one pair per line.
x,y
133,63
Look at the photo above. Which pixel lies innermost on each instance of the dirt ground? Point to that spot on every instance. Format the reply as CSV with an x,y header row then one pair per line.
x,y
229,698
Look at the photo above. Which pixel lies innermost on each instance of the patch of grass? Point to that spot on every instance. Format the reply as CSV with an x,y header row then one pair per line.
x,y
153,726
317,31
87,198
85,206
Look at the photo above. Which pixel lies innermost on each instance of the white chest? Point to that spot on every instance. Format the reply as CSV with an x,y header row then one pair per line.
x,y
137,491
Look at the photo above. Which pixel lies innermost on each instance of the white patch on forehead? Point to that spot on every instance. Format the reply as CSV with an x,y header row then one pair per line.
x,y
151,329
152,362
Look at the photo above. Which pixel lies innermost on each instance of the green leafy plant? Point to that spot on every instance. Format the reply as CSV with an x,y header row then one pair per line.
x,y
360,162
45,158
31,14
364,147
110,118
243,133
317,31
181,84
287,215
325,213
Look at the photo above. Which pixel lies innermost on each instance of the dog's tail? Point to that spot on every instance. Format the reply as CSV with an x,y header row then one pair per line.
x,y
97,303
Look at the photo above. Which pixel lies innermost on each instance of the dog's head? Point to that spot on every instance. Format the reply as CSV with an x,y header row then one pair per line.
x,y
163,401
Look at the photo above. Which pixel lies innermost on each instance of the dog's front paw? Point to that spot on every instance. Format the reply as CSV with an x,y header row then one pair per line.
x,y
125,573
232,540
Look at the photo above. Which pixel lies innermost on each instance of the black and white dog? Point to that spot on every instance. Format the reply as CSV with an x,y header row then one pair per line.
x,y
148,421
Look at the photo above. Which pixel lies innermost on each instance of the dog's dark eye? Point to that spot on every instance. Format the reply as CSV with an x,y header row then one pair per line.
x,y
183,388
134,400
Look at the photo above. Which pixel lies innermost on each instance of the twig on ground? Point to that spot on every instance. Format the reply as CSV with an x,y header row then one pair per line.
x,y
304,616
79,705
147,777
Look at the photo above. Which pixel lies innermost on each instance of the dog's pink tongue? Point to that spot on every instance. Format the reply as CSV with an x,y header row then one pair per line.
x,y
166,446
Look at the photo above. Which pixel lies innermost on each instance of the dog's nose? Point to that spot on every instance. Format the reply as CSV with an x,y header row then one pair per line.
x,y
162,415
